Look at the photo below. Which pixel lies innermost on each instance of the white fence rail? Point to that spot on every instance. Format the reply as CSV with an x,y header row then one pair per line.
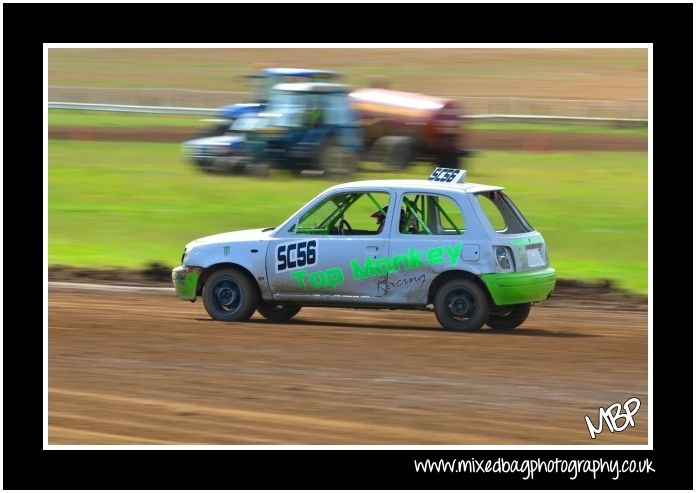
x,y
178,110
630,110
127,108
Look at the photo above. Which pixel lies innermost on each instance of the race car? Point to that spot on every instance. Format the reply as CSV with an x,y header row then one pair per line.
x,y
462,250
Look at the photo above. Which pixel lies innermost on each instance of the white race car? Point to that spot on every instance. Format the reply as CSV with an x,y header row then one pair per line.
x,y
463,250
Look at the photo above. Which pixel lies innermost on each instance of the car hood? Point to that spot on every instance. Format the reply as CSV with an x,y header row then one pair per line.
x,y
236,110
220,140
232,237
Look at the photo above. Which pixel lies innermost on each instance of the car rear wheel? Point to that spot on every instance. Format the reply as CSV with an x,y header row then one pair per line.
x,y
509,317
229,295
461,304
278,312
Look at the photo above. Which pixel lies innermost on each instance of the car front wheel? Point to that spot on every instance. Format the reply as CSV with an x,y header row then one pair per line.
x,y
461,304
278,312
509,317
229,295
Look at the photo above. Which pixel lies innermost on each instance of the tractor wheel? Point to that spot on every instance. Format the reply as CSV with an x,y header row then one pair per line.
x,y
333,159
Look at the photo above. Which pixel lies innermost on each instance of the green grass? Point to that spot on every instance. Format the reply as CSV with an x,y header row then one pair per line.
x,y
128,204
112,119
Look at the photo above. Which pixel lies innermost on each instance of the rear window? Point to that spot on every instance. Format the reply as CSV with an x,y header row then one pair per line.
x,y
502,213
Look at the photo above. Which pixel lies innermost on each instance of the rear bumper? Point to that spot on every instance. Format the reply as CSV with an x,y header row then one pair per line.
x,y
185,281
520,287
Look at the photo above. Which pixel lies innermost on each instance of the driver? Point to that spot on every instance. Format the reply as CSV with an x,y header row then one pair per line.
x,y
379,215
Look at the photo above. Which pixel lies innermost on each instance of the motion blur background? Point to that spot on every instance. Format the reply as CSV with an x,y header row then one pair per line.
x,y
129,203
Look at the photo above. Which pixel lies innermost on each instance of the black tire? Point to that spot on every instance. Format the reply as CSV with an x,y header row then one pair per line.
x,y
229,295
278,312
461,304
508,317
399,154
394,151
334,160
203,163
228,166
258,169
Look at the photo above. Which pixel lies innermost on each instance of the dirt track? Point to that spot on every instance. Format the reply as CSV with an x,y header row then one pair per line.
x,y
149,369
479,140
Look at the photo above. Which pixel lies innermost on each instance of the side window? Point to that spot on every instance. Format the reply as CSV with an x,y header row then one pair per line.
x,y
430,214
365,216
502,213
491,211
318,219
450,219
354,213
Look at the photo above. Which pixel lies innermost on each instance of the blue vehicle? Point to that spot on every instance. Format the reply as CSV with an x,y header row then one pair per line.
x,y
220,153
264,81
307,126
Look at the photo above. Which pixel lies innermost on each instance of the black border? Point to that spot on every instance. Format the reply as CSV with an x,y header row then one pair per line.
x,y
669,27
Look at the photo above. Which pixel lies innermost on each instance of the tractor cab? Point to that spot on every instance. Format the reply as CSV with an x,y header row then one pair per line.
x,y
308,125
262,82
265,80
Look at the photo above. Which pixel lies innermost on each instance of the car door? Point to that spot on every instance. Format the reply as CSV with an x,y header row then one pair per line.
x,y
432,237
336,249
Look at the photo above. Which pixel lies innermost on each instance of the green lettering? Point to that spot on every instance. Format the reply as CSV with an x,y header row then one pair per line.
x,y
299,277
381,266
414,258
317,279
334,277
453,251
362,272
435,255
395,262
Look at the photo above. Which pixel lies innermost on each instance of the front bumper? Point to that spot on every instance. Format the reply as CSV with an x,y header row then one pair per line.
x,y
520,287
185,281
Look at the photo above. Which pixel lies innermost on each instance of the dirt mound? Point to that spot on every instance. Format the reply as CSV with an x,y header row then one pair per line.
x,y
568,293
500,140
601,294
134,134
156,275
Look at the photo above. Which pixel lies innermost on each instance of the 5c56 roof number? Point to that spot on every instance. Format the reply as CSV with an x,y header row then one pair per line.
x,y
448,175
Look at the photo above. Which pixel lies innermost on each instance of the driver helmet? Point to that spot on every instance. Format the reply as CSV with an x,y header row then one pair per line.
x,y
379,215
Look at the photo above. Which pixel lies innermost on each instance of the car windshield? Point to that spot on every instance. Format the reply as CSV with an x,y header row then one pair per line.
x,y
245,123
297,109
286,108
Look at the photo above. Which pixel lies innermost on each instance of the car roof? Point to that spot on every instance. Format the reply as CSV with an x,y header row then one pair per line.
x,y
420,185
311,87
299,72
